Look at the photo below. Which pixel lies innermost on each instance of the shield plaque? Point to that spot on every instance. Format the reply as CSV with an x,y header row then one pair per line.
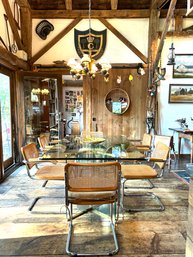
x,y
93,42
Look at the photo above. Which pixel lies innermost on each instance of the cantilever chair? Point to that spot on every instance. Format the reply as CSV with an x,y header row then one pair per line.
x,y
92,184
44,144
152,169
144,145
44,172
167,140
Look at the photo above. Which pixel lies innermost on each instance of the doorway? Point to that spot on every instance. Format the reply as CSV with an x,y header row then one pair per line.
x,y
6,125
42,107
73,105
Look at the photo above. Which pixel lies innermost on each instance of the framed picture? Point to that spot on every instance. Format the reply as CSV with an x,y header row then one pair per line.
x,y
184,66
116,107
181,93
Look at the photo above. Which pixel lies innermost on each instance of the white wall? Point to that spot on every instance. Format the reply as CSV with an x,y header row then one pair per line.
x,y
3,31
170,112
135,30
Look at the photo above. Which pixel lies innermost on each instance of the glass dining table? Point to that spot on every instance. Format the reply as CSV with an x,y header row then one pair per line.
x,y
73,148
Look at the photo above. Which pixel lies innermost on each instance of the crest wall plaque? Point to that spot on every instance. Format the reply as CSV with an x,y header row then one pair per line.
x,y
90,42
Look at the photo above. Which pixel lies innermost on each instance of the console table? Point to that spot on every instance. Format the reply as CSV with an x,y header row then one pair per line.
x,y
187,134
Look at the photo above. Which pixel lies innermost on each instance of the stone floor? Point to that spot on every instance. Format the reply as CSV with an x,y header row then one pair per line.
x,y
144,234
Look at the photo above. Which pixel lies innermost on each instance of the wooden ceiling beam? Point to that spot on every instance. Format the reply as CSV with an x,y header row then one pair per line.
x,y
164,32
180,12
152,40
12,24
26,29
121,14
55,40
23,3
11,59
114,4
123,40
62,14
68,4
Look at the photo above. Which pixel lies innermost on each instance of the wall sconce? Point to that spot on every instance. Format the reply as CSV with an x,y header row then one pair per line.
x,y
140,70
171,55
38,91
118,79
160,73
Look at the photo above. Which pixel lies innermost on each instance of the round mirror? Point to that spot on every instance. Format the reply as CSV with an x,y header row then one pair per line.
x,y
117,101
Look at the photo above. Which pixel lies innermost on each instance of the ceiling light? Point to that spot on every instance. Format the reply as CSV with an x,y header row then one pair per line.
x,y
87,65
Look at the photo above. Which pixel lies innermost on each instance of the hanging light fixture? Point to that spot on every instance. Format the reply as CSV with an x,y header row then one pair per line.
x,y
87,65
171,55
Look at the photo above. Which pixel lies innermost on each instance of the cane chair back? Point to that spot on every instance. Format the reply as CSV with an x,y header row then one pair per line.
x,y
147,139
28,152
161,151
43,142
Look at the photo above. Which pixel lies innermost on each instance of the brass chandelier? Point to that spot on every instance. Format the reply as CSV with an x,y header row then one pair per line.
x,y
86,65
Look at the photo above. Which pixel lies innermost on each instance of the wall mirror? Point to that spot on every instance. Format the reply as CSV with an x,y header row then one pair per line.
x,y
117,101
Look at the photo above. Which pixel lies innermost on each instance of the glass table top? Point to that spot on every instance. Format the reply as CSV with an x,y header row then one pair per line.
x,y
102,149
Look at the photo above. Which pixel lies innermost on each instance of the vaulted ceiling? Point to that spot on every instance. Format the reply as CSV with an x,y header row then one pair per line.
x,y
100,4
102,8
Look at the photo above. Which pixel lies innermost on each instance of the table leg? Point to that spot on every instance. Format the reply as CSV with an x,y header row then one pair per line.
x,y
179,146
191,153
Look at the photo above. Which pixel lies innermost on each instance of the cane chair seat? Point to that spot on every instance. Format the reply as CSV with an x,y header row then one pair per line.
x,y
55,172
138,172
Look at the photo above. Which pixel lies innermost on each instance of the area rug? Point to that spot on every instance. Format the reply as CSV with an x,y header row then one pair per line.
x,y
182,175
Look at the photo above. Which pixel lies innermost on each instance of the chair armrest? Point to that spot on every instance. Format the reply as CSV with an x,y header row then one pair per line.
x,y
155,159
143,146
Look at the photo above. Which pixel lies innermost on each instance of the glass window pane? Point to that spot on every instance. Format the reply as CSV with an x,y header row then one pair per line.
x,y
6,116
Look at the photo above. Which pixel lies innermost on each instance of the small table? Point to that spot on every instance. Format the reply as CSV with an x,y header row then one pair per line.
x,y
187,134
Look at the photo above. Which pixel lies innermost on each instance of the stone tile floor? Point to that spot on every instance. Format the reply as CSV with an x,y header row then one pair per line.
x,y
144,234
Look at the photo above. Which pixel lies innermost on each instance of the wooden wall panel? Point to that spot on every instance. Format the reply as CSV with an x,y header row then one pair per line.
x,y
132,122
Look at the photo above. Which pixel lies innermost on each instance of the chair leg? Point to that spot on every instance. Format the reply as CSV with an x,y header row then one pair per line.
x,y
70,232
151,196
41,212
151,185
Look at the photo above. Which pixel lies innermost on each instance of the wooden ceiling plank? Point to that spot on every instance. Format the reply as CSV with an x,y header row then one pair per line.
x,y
164,32
55,40
62,14
12,24
68,4
123,40
114,4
